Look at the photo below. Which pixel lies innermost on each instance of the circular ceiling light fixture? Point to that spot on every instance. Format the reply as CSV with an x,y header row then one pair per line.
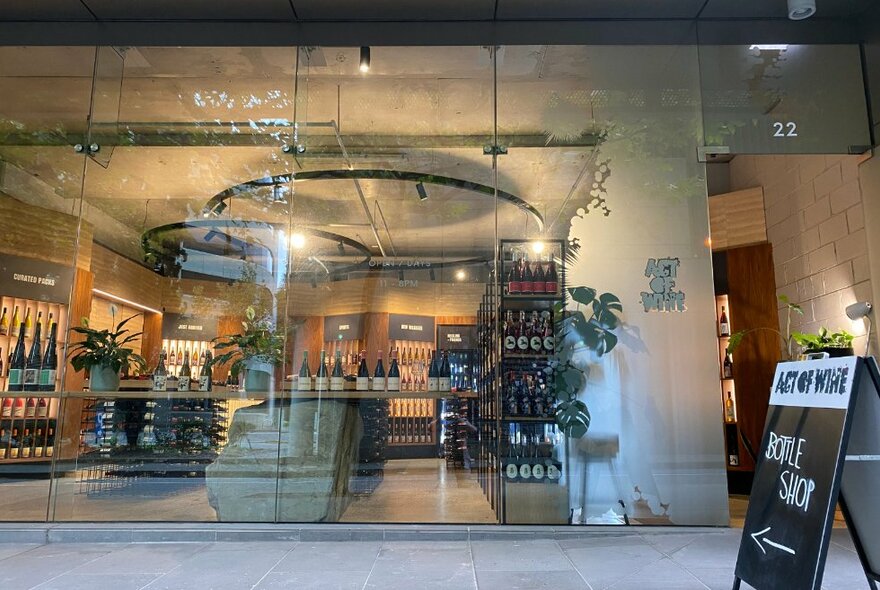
x,y
801,9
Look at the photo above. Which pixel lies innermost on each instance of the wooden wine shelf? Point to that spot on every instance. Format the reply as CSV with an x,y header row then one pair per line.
x,y
278,395
26,460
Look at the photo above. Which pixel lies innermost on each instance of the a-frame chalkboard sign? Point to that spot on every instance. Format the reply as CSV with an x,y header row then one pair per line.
x,y
824,414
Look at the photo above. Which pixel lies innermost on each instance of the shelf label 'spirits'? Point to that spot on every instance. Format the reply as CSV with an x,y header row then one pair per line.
x,y
663,297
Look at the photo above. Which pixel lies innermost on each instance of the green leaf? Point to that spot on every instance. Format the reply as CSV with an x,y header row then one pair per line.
x,y
583,295
573,418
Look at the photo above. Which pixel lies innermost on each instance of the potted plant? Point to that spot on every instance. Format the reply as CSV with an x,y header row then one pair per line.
x,y
257,350
104,353
835,344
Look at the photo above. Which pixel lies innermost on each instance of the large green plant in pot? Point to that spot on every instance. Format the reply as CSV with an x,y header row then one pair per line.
x,y
104,353
589,326
257,350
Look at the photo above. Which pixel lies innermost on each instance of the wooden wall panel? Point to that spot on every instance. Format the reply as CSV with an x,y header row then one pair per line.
x,y
151,341
124,278
59,245
753,305
80,307
307,334
455,320
376,337
737,219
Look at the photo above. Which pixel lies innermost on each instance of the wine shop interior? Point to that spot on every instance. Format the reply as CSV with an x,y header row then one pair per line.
x,y
480,285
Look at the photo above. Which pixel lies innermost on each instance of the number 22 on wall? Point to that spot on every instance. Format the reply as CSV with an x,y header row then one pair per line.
x,y
788,129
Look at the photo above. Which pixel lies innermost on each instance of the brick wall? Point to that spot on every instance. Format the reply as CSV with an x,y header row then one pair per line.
x,y
816,224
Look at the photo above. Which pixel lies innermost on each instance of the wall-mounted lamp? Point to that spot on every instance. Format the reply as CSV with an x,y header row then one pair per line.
x,y
858,311
365,59
423,194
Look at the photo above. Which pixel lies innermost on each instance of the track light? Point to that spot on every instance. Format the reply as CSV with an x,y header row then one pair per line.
x,y
365,59
423,194
432,275
801,9
400,275
340,248
314,282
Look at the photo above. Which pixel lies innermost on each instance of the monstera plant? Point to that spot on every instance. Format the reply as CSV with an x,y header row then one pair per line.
x,y
591,325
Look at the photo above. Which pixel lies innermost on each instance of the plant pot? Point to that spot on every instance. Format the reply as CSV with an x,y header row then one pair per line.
x,y
103,378
259,375
836,352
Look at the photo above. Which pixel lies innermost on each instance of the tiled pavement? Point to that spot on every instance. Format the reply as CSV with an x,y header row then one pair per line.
x,y
631,559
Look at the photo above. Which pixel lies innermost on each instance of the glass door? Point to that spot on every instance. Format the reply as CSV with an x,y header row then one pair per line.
x,y
394,214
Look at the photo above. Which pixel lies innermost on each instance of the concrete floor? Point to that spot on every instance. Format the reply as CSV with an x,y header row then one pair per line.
x,y
636,559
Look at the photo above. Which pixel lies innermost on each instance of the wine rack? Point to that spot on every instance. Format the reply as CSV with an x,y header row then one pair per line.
x,y
458,419
728,385
412,420
9,336
27,427
194,350
517,402
126,439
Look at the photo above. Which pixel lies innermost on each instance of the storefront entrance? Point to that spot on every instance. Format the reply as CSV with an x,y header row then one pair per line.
x,y
379,284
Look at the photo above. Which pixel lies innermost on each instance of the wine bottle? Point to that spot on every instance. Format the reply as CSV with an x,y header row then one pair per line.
x,y
434,374
31,380
206,376
337,378
1,362
727,368
3,443
723,323
172,360
30,408
6,408
522,336
160,374
549,339
551,280
444,381
536,337
38,443
43,408
18,362
28,322
393,374
513,278
539,281
729,412
50,322
528,278
18,408
4,323
304,380
50,442
379,375
183,381
16,323
13,441
49,367
363,373
509,333
26,444
322,377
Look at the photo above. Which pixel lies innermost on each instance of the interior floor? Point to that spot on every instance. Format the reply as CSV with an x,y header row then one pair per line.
x,y
423,490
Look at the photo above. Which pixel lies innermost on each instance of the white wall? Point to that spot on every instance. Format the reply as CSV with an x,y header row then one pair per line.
x,y
816,224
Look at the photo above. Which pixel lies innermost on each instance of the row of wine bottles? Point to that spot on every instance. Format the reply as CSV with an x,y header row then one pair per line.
x,y
532,278
413,430
438,378
185,360
19,407
525,393
34,370
32,441
16,326
534,335
185,379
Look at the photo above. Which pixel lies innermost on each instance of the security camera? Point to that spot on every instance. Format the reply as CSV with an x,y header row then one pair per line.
x,y
801,9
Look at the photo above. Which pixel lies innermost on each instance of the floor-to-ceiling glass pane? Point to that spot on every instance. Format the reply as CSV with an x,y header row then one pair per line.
x,y
44,107
185,220
602,144
393,248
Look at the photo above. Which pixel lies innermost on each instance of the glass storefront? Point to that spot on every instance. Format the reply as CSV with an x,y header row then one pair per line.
x,y
386,284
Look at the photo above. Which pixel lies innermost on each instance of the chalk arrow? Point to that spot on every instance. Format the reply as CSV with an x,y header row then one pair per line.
x,y
757,538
